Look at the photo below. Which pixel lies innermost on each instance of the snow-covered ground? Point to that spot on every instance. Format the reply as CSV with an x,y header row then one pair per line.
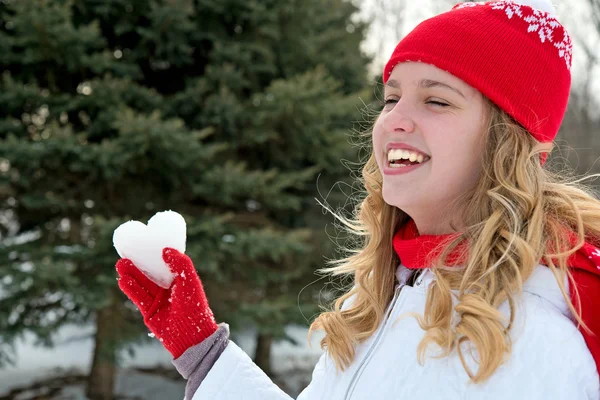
x,y
73,354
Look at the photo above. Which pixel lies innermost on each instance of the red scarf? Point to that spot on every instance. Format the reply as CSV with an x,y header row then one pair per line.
x,y
414,250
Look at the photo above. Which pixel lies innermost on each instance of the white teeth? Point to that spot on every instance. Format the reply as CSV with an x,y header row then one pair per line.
x,y
401,154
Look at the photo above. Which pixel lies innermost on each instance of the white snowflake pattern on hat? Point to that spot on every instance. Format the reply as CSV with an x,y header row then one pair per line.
x,y
565,48
469,4
510,8
541,22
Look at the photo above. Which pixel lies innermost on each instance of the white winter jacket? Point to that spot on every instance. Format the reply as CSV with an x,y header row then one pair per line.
x,y
549,358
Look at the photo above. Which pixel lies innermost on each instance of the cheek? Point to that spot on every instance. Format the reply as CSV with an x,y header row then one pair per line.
x,y
457,161
377,142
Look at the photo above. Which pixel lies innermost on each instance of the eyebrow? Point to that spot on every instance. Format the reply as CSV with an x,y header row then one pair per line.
x,y
426,84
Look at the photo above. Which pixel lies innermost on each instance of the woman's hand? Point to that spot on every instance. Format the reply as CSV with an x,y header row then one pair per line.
x,y
179,316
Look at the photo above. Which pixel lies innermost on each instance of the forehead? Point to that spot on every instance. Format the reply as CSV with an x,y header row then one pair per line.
x,y
412,73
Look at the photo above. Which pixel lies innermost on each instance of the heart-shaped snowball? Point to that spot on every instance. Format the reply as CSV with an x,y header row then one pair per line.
x,y
143,244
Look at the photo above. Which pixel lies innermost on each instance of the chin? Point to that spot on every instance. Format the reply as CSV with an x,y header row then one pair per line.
x,y
396,199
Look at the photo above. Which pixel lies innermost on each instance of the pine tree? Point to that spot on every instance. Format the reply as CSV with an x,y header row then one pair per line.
x,y
226,112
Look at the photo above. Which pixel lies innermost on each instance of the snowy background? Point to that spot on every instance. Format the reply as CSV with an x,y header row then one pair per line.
x,y
59,373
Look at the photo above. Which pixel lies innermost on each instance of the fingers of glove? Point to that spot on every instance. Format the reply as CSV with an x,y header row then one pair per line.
x,y
187,283
136,293
189,293
125,267
155,317
179,263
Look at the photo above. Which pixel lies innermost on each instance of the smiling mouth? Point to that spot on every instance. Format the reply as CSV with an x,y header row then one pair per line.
x,y
398,158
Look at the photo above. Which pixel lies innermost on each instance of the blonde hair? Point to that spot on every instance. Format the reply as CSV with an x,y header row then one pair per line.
x,y
517,215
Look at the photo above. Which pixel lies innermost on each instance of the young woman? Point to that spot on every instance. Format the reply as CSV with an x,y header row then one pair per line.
x,y
477,275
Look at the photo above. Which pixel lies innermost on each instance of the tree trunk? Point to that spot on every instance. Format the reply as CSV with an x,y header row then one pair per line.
x,y
262,356
101,381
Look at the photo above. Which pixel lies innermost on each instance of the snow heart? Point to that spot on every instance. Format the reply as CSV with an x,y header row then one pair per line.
x,y
143,244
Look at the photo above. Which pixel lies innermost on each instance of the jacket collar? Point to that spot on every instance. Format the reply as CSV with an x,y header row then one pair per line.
x,y
541,283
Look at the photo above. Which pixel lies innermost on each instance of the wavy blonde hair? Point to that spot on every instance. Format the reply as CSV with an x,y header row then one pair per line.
x,y
517,215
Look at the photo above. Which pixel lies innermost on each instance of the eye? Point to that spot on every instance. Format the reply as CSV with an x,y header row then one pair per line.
x,y
438,103
389,101
433,102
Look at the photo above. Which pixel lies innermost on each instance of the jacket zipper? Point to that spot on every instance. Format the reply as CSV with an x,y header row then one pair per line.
x,y
358,372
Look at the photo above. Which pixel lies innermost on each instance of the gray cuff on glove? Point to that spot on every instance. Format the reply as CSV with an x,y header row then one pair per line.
x,y
195,363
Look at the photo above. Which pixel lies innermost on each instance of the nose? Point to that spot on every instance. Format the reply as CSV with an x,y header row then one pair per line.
x,y
398,118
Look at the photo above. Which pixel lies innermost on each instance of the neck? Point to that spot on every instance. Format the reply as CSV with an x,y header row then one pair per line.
x,y
431,226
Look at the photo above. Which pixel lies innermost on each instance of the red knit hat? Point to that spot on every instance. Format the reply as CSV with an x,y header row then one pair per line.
x,y
517,56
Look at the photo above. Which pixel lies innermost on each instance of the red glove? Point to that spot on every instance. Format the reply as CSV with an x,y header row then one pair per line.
x,y
179,316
